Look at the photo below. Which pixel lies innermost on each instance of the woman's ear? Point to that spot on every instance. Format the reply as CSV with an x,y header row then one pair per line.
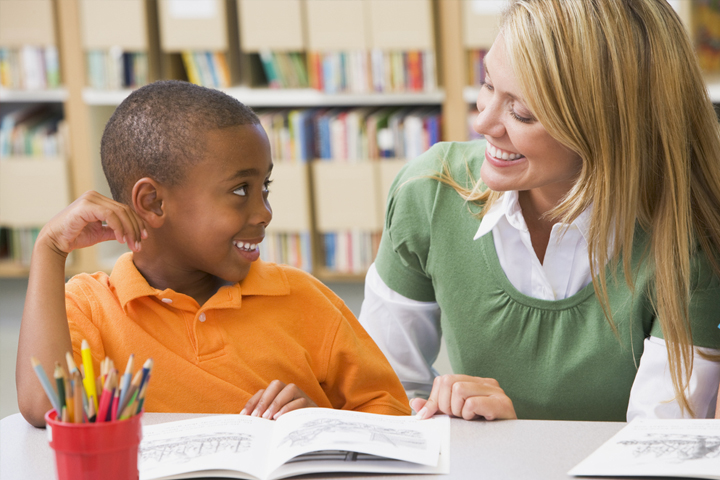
x,y
148,202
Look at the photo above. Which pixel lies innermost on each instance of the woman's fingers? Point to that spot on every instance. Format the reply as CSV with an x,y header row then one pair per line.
x,y
467,397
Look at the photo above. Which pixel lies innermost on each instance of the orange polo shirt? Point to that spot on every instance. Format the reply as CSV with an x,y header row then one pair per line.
x,y
278,323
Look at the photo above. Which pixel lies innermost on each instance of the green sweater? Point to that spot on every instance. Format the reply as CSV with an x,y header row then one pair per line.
x,y
554,359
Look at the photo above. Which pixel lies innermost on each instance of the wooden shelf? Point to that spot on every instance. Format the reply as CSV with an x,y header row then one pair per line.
x,y
267,97
58,95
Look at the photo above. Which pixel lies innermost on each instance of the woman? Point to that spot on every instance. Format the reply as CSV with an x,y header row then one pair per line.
x,y
577,278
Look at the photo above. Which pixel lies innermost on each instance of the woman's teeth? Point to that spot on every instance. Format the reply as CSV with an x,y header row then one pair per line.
x,y
501,154
248,247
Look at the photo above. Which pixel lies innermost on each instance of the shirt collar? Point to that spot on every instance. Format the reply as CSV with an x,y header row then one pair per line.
x,y
508,207
263,279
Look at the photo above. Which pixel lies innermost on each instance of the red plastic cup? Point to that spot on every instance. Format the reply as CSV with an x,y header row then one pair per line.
x,y
105,450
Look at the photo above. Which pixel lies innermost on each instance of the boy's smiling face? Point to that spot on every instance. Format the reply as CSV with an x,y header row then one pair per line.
x,y
216,217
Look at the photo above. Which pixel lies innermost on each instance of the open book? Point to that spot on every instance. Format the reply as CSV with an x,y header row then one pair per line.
x,y
658,448
310,440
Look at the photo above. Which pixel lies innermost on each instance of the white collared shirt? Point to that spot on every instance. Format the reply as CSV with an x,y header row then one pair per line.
x,y
408,331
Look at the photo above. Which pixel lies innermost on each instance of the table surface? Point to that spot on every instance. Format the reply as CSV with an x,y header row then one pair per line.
x,y
508,449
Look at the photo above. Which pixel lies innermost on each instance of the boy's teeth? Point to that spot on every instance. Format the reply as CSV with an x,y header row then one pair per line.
x,y
246,246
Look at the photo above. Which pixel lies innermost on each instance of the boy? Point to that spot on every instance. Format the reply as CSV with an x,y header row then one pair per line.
x,y
189,170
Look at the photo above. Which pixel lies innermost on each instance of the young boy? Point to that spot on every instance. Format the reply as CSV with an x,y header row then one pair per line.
x,y
189,170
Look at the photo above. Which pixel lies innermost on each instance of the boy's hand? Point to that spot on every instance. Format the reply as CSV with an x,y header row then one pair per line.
x,y
80,224
465,397
276,400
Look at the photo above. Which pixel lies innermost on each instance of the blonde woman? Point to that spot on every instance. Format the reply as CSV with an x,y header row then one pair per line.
x,y
570,259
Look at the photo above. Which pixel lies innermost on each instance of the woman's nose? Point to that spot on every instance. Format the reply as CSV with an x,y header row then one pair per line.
x,y
488,121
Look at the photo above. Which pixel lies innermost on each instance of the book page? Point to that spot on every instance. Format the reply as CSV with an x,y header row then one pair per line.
x,y
670,448
221,443
340,437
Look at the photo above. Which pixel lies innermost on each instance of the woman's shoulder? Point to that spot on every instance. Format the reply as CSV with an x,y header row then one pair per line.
x,y
452,157
458,161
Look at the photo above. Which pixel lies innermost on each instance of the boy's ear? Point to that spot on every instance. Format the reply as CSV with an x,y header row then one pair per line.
x,y
148,202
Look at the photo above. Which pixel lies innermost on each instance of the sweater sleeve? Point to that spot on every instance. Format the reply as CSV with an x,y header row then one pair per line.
x,y
402,257
358,375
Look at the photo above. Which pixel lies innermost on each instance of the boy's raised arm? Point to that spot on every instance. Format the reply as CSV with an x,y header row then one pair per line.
x,y
44,331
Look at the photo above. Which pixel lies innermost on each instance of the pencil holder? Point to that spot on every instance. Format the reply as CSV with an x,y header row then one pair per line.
x,y
105,450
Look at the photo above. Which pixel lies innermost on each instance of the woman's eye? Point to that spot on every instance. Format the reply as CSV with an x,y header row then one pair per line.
x,y
519,118
485,84
241,191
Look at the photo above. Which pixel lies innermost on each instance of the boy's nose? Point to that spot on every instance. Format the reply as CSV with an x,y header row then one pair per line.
x,y
262,213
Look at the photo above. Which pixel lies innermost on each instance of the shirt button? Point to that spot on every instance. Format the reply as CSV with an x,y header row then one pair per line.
x,y
201,317
167,300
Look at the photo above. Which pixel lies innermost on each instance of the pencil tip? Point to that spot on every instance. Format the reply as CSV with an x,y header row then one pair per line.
x,y
35,362
85,344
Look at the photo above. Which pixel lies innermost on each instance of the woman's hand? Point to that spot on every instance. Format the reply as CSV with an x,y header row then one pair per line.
x,y
465,397
275,400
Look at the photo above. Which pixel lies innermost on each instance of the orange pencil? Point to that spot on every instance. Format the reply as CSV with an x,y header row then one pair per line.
x,y
79,413
70,400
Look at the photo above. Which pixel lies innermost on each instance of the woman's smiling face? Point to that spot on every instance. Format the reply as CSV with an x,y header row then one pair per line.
x,y
521,155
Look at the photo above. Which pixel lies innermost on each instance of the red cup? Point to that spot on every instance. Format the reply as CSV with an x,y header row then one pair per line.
x,y
88,451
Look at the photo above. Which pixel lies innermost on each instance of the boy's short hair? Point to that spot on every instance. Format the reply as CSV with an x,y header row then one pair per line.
x,y
157,132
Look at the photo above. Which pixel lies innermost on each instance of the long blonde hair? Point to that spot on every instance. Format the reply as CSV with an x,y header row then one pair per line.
x,y
617,81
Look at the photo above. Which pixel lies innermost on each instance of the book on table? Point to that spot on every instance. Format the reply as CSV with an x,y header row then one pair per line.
x,y
658,448
311,440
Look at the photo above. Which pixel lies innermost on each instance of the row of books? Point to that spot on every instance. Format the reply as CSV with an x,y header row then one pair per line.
x,y
114,69
707,34
33,131
209,69
476,67
373,71
284,69
16,244
29,68
294,249
350,134
350,251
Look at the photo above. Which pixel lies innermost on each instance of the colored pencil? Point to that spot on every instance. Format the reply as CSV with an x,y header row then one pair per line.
x,y
89,380
69,399
141,398
64,416
127,377
147,367
106,396
59,375
45,382
72,368
77,393
134,385
115,405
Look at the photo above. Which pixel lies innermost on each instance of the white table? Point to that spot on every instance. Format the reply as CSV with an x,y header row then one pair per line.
x,y
500,450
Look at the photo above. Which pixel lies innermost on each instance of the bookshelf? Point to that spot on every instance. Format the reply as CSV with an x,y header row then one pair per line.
x,y
311,196
33,163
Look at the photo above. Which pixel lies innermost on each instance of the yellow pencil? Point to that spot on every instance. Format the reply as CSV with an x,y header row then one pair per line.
x,y
89,380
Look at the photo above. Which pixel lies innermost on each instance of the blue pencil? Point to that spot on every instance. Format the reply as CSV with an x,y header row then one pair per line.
x,y
45,382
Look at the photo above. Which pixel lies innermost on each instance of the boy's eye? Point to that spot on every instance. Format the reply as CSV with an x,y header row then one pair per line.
x,y
266,187
241,191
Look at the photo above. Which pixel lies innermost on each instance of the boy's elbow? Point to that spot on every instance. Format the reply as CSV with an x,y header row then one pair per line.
x,y
33,410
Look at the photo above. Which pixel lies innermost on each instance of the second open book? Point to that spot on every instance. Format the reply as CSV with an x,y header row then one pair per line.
x,y
310,440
